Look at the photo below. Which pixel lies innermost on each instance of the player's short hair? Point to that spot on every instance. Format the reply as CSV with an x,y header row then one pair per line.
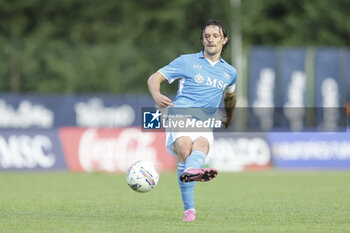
x,y
221,27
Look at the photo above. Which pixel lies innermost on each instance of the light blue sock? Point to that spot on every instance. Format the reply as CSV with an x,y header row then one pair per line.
x,y
185,188
196,159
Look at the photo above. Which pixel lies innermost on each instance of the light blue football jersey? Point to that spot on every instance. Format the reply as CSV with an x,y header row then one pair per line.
x,y
200,83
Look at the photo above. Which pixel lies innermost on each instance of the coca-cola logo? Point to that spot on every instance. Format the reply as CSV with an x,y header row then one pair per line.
x,y
115,153
22,151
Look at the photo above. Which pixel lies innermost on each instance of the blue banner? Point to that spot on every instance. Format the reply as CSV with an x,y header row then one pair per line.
x,y
262,84
294,85
327,86
310,150
327,77
31,150
293,77
51,111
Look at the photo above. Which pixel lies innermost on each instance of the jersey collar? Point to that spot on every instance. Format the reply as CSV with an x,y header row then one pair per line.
x,y
201,55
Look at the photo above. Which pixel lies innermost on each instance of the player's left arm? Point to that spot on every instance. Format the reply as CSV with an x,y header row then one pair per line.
x,y
229,104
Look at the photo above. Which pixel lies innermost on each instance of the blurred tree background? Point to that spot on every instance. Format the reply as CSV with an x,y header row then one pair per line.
x,y
111,46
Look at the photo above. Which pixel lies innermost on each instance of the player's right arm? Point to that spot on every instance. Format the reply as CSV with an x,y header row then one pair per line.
x,y
154,82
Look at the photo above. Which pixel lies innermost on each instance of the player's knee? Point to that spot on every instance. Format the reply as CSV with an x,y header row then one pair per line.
x,y
183,147
183,153
201,144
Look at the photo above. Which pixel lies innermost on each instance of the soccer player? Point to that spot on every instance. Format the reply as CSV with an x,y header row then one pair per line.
x,y
204,78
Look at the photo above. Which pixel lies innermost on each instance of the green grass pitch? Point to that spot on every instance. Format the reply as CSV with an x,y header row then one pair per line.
x,y
271,201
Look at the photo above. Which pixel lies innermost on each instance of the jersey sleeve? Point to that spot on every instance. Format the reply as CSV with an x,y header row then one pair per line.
x,y
174,70
232,86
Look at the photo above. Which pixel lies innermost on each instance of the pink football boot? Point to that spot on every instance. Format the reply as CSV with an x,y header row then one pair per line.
x,y
190,215
198,174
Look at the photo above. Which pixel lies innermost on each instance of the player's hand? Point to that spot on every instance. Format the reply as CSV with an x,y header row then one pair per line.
x,y
226,121
162,101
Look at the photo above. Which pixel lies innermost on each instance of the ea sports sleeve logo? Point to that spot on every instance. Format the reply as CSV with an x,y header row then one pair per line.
x,y
152,119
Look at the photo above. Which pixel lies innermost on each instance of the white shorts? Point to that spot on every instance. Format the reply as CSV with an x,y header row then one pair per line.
x,y
172,136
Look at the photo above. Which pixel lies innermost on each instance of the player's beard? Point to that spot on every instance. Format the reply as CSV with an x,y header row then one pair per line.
x,y
212,51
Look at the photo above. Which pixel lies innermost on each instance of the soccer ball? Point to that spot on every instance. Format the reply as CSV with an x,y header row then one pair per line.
x,y
142,176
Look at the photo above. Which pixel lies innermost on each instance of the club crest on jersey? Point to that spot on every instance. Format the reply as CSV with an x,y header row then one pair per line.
x,y
198,78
